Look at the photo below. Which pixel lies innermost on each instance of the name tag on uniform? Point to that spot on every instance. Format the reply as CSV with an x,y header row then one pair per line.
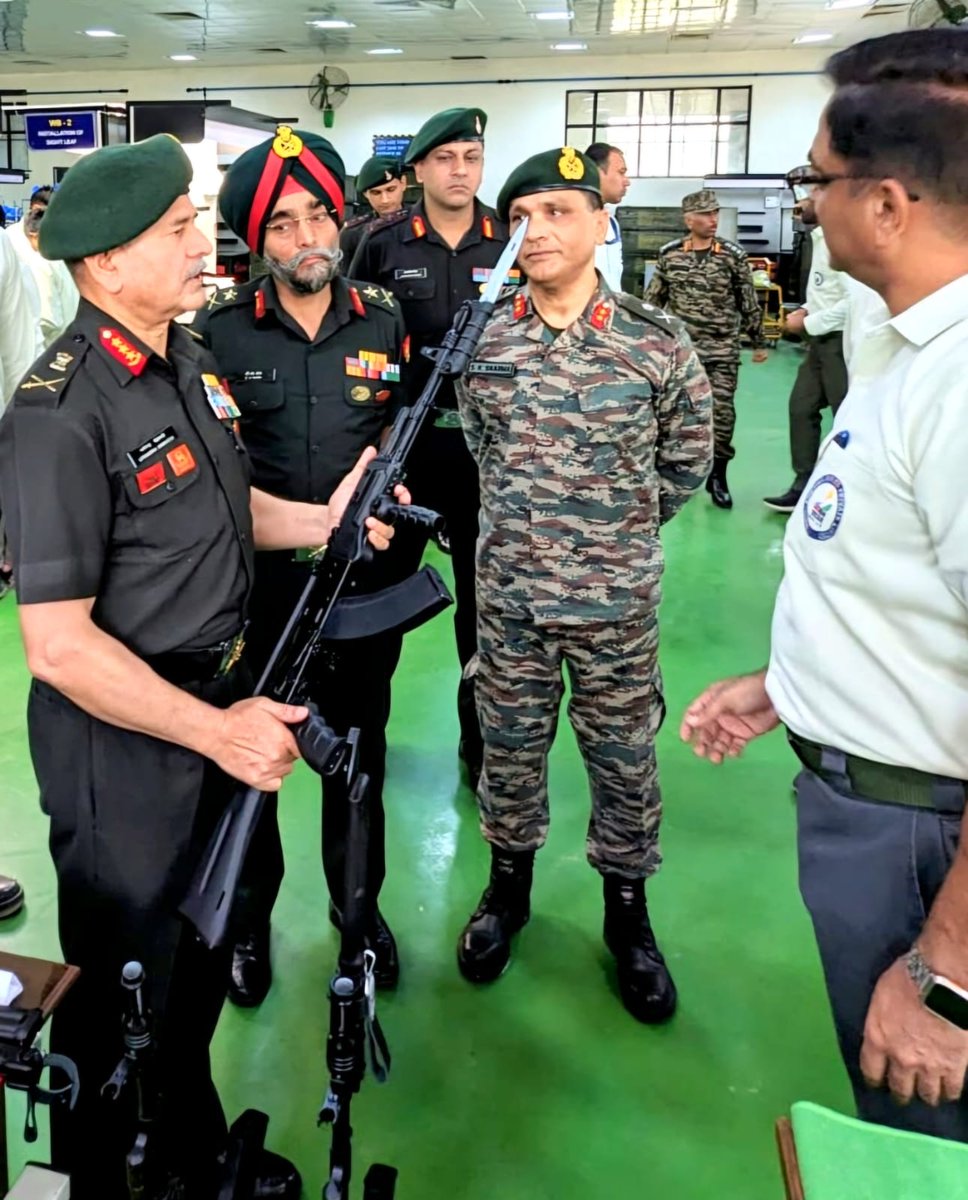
x,y
503,370
257,376
141,454
410,273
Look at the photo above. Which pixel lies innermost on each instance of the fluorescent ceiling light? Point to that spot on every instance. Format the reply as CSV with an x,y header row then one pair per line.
x,y
102,33
849,3
569,46
804,39
385,50
335,23
554,16
183,57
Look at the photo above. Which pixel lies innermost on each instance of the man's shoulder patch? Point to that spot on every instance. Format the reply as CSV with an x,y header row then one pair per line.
x,y
373,295
47,380
232,297
647,312
675,244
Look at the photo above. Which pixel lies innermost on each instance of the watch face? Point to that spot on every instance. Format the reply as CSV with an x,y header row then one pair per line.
x,y
949,1003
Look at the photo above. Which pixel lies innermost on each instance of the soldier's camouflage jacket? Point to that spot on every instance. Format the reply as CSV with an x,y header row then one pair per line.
x,y
586,442
712,293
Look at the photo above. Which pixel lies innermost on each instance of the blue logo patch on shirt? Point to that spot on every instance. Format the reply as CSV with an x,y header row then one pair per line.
x,y
823,508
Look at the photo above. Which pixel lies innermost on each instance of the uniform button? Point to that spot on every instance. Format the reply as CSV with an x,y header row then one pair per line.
x,y
243,537
78,337
313,399
169,487
315,449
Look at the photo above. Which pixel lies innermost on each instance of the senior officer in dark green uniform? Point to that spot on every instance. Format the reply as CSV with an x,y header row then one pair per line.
x,y
433,259
706,282
131,524
382,182
314,363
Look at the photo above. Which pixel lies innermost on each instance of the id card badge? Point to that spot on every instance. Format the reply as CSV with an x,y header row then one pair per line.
x,y
220,399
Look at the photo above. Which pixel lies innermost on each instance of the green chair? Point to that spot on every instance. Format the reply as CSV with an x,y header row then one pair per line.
x,y
827,1156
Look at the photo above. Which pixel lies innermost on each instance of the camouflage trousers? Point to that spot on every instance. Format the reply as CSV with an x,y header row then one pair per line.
x,y
723,377
616,710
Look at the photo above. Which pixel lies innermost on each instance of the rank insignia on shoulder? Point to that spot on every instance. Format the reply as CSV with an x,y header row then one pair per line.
x,y
181,460
62,361
122,351
35,381
502,370
371,364
220,399
418,226
520,306
601,315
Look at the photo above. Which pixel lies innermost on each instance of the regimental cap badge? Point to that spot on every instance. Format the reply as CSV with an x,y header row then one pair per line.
x,y
387,175
286,143
570,166
477,125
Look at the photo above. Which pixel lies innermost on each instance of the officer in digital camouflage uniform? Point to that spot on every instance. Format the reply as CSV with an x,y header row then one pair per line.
x,y
590,418
706,282
382,183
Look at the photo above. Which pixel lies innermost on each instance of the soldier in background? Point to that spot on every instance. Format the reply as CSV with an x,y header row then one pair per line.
x,y
615,183
382,183
432,259
707,283
589,416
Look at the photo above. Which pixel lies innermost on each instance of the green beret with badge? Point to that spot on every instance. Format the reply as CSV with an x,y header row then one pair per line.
x,y
378,170
451,125
705,201
110,197
562,169
254,184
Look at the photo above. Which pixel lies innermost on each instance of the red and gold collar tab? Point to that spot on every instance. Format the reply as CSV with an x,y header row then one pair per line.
x,y
487,226
601,315
121,350
520,306
418,226
358,306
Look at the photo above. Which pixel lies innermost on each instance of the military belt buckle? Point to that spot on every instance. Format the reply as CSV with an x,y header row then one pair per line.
x,y
231,654
448,418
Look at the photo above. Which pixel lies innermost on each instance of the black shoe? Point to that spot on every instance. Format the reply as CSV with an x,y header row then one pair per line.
x,y
785,503
717,486
484,949
11,897
251,975
276,1178
378,938
644,981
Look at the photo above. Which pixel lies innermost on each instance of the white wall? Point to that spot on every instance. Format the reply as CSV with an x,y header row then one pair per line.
x,y
525,115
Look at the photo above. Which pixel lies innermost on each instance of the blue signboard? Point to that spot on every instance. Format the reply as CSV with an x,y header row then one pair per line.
x,y
392,145
64,130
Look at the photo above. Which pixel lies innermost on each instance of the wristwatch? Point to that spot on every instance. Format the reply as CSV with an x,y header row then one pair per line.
x,y
945,999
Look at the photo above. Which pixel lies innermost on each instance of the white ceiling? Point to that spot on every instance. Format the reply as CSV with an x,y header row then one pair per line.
x,y
38,34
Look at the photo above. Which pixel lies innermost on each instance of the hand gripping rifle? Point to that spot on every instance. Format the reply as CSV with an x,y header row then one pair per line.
x,y
323,614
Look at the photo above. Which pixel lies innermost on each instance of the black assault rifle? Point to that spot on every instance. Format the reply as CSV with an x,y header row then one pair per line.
x,y
322,614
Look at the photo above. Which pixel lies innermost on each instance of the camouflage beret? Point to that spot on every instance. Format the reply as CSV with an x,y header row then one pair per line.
x,y
451,125
564,168
378,170
111,196
701,202
255,181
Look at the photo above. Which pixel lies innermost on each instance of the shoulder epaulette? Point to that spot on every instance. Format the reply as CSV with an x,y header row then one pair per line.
x,y
371,293
231,297
675,244
648,312
732,247
48,377
387,222
192,333
356,222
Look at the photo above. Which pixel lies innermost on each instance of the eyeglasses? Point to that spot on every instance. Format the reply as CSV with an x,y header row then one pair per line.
x,y
806,179
286,228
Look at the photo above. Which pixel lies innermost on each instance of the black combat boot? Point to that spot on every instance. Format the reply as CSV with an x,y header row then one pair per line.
x,y
484,949
251,975
788,501
717,486
644,981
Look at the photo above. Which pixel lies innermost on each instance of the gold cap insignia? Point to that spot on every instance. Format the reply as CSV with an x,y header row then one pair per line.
x,y
286,143
360,394
570,166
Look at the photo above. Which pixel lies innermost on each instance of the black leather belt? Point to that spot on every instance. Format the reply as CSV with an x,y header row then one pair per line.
x,y
881,782
200,666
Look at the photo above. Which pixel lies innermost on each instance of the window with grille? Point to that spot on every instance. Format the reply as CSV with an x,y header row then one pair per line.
x,y
666,132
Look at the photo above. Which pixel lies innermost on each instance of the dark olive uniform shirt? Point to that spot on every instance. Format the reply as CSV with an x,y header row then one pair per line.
x,y
123,478
430,279
309,405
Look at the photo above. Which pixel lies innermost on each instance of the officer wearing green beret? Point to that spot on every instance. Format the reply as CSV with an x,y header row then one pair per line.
x,y
382,182
588,413
132,525
292,346
433,259
707,283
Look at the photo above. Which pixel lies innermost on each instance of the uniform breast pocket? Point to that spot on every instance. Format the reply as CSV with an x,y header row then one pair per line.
x,y
619,412
159,482
255,397
415,289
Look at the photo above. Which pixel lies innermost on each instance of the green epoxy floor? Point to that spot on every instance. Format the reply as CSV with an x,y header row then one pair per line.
x,y
541,1086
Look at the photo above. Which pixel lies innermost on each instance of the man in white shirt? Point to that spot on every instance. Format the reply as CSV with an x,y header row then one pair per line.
x,y
16,322
869,662
57,295
822,379
614,176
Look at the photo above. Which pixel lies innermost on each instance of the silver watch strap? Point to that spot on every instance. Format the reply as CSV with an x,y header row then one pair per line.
x,y
918,969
